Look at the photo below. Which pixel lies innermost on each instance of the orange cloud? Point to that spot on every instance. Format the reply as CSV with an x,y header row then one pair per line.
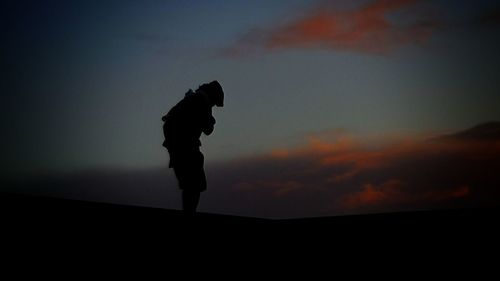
x,y
283,188
344,174
394,192
439,195
365,29
371,194
317,145
461,191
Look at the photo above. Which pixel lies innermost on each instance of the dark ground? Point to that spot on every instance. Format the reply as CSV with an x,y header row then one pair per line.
x,y
30,222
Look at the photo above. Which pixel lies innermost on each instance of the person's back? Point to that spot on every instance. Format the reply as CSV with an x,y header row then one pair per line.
x,y
185,122
182,129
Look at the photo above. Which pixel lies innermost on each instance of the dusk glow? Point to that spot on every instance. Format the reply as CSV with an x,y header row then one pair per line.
x,y
331,107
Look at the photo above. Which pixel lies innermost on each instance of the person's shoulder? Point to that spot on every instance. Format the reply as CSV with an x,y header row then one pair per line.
x,y
189,98
195,99
190,103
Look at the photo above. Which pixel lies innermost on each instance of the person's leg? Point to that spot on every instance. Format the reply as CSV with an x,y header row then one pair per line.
x,y
190,200
192,180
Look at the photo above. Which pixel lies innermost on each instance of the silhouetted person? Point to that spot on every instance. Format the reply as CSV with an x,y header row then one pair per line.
x,y
182,129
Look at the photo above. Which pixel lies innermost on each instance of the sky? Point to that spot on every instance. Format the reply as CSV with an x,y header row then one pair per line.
x,y
328,89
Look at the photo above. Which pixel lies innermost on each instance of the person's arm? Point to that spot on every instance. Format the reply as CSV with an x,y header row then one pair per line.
x,y
208,126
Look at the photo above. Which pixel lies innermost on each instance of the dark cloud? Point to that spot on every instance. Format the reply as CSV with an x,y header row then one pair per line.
x,y
152,38
488,18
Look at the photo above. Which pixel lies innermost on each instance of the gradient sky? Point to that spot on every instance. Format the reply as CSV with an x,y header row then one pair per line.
x,y
85,83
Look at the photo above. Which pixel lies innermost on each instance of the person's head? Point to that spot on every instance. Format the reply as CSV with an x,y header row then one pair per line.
x,y
214,92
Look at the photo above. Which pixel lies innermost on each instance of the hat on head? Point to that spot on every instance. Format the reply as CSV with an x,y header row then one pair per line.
x,y
214,92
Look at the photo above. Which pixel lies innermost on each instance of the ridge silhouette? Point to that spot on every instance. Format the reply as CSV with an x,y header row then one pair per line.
x,y
26,214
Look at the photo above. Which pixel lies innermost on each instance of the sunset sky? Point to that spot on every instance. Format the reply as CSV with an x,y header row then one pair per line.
x,y
335,97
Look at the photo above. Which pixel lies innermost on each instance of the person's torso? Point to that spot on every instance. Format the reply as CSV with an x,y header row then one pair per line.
x,y
183,123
